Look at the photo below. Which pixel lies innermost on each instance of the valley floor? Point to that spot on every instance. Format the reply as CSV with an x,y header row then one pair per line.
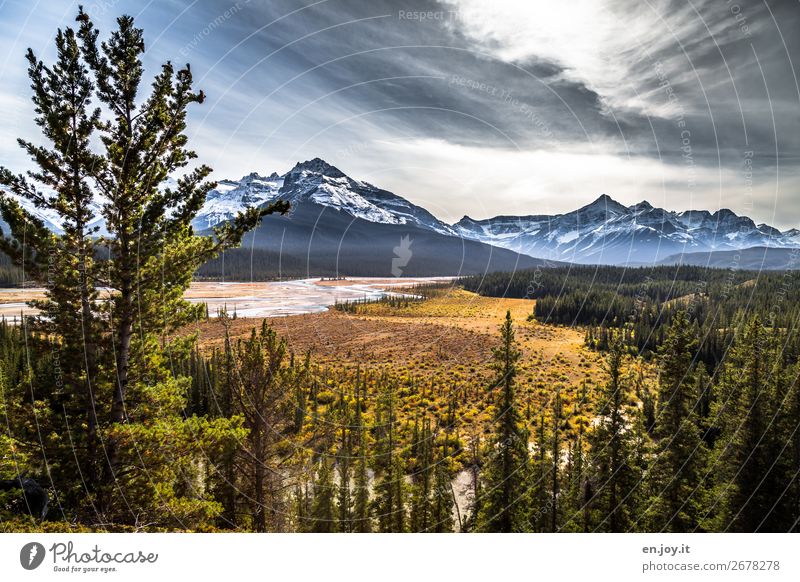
x,y
443,341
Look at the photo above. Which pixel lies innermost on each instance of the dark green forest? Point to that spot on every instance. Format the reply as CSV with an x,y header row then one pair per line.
x,y
10,274
641,302
262,440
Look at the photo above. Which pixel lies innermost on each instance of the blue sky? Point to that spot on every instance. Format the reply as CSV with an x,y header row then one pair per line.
x,y
471,106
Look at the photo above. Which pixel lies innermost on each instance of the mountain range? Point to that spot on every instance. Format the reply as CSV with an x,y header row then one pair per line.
x,y
607,232
338,224
602,232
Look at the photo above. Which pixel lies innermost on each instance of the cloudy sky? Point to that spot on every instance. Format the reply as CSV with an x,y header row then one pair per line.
x,y
478,107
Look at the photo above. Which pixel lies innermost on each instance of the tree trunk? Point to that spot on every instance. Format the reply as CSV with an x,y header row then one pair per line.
x,y
259,521
123,349
90,360
616,428
125,333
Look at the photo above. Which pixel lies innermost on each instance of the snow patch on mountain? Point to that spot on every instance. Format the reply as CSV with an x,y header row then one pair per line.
x,y
231,197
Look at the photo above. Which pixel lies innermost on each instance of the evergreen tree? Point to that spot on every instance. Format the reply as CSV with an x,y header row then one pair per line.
x,y
303,521
555,455
442,502
789,504
389,504
261,381
63,263
541,474
225,478
677,486
640,453
575,506
361,503
143,264
149,227
344,498
17,447
475,491
751,470
323,507
420,518
611,450
506,467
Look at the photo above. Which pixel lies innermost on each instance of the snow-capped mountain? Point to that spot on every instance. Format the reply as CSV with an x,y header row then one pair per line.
x,y
603,232
317,182
229,198
792,235
607,232
337,224
50,218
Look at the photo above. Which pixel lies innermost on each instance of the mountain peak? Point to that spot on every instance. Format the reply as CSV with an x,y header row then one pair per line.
x,y
317,166
604,203
603,231
643,205
725,213
252,176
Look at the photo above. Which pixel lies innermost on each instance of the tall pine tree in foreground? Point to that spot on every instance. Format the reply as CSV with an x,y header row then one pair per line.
x,y
118,390
614,502
63,263
505,471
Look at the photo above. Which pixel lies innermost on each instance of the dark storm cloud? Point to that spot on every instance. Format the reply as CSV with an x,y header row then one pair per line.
x,y
440,84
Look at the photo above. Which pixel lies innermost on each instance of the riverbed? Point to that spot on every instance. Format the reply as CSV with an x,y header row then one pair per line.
x,y
263,299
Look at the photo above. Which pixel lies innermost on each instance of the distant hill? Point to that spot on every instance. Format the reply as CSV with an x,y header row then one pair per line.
x,y
753,259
